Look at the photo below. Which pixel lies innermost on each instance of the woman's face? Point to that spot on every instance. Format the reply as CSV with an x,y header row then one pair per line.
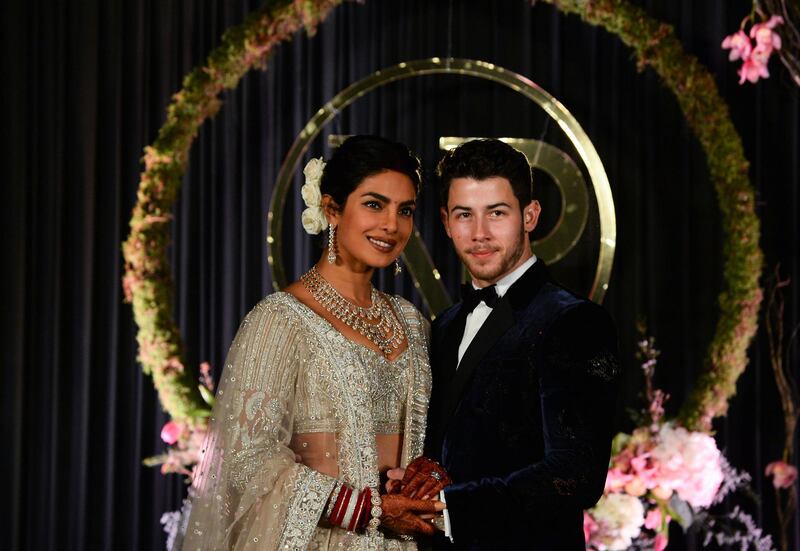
x,y
374,225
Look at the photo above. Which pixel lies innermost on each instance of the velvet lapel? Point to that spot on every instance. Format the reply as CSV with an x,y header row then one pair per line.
x,y
448,359
518,296
495,326
444,367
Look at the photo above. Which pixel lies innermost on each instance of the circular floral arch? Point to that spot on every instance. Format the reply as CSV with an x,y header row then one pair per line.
x,y
148,282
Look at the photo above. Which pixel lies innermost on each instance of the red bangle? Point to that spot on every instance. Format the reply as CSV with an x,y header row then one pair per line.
x,y
344,496
366,511
339,507
355,522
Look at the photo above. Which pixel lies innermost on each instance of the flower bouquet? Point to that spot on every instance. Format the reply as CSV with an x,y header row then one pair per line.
x,y
663,473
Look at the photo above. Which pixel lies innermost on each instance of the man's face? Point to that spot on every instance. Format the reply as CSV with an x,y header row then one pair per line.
x,y
488,229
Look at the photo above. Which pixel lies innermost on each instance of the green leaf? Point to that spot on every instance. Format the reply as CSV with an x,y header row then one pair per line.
x,y
207,395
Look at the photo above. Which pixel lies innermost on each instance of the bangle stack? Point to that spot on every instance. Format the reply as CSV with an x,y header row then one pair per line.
x,y
353,511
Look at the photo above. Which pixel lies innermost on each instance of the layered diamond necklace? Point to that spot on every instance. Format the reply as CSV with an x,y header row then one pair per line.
x,y
377,322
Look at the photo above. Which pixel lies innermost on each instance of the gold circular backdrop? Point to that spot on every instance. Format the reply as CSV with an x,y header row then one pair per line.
x,y
559,166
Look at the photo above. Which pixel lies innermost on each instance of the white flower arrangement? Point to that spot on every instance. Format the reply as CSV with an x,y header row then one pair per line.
x,y
313,217
619,518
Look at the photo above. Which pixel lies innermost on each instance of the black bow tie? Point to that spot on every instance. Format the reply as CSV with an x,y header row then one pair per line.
x,y
471,296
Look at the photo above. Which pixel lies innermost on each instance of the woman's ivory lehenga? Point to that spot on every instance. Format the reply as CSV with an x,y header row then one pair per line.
x,y
295,388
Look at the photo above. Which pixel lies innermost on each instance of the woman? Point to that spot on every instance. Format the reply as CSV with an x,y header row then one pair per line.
x,y
326,385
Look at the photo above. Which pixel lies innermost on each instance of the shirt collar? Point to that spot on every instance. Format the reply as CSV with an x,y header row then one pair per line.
x,y
509,279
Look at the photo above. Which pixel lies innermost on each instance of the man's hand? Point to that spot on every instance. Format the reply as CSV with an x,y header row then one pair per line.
x,y
400,514
424,478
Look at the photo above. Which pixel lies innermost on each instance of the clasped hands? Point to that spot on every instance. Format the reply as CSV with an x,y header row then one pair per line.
x,y
409,505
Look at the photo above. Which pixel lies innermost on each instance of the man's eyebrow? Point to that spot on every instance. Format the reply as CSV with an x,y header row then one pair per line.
x,y
496,205
459,207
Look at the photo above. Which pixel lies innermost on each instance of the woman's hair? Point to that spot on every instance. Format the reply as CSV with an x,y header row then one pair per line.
x,y
360,157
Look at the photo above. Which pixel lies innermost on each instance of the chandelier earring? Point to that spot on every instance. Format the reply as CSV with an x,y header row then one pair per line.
x,y
331,244
398,268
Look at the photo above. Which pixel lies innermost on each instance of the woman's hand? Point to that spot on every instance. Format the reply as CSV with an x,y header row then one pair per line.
x,y
401,514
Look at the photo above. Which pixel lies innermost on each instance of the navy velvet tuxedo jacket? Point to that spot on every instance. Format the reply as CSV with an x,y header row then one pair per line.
x,y
524,425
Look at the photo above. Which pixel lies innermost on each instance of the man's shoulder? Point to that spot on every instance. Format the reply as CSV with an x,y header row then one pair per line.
x,y
556,308
553,300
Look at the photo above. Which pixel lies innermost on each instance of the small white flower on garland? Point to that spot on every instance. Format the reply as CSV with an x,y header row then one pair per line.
x,y
313,218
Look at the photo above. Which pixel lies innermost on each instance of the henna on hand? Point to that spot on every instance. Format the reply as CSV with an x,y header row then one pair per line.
x,y
424,478
400,514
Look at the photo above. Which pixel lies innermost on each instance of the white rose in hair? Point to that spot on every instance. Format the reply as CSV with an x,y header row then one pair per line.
x,y
311,194
313,170
313,220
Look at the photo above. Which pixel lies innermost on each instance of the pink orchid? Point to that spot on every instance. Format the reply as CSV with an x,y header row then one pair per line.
x,y
764,35
760,54
660,543
752,69
739,44
171,431
783,474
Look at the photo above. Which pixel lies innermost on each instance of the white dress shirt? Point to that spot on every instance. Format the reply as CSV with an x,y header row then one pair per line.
x,y
474,323
476,318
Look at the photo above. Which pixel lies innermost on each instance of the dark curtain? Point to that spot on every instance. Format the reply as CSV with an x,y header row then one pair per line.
x,y
85,87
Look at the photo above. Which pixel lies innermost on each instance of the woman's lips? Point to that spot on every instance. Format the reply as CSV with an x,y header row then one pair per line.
x,y
384,246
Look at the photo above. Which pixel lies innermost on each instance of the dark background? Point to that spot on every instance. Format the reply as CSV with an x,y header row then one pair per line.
x,y
85,88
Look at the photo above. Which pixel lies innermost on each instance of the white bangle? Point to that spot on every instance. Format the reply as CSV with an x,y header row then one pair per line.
x,y
351,507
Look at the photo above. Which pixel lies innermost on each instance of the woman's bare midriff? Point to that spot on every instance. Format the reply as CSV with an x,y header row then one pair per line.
x,y
318,451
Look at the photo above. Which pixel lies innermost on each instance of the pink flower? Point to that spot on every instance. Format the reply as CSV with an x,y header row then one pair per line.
x,y
783,474
616,480
739,45
653,519
688,463
760,55
171,431
589,526
645,471
764,35
660,543
752,69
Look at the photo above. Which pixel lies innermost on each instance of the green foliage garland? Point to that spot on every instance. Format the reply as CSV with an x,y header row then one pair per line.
x,y
656,46
147,281
149,287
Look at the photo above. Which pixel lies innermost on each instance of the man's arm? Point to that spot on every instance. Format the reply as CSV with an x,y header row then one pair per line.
x,y
578,371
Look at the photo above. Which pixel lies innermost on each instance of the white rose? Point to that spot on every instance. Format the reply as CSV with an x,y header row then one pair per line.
x,y
313,220
311,194
313,170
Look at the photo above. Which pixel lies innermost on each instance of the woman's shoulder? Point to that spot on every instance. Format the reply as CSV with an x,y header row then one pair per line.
x,y
278,305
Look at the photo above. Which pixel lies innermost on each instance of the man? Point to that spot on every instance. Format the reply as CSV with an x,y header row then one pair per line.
x,y
524,373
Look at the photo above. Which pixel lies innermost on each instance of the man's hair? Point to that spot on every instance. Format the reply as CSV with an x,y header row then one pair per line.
x,y
486,158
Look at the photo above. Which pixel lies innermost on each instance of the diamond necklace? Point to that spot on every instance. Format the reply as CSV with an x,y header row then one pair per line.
x,y
378,322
